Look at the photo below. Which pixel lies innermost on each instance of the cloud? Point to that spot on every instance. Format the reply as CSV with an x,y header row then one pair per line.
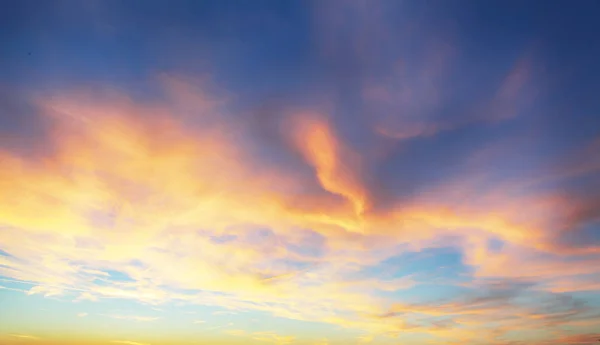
x,y
136,187
82,314
47,291
11,289
336,166
408,180
86,296
24,336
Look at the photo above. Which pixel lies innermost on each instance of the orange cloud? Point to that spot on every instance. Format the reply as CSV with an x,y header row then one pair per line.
x,y
179,203
337,167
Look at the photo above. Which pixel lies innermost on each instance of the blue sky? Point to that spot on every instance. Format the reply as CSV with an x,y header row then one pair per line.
x,y
299,172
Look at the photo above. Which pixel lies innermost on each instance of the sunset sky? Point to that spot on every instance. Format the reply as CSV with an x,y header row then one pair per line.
x,y
299,172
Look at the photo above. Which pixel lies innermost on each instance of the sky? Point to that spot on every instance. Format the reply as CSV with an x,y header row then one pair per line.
x,y
289,172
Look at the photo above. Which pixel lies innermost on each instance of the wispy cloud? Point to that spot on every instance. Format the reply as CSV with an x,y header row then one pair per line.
x,y
12,289
24,336
47,291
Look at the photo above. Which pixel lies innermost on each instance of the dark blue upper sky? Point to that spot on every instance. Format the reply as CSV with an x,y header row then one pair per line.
x,y
441,75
